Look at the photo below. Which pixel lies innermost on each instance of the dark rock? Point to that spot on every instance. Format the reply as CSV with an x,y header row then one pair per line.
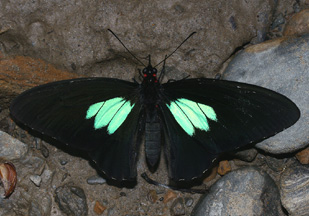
x,y
11,148
247,155
71,200
247,191
44,151
294,189
280,65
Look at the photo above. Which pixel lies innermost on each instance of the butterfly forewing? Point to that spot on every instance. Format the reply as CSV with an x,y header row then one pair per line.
x,y
61,110
238,114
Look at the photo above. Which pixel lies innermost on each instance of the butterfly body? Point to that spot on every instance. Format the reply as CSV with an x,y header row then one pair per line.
x,y
197,119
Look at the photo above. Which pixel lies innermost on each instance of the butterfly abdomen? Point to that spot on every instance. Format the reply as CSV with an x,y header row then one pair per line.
x,y
152,138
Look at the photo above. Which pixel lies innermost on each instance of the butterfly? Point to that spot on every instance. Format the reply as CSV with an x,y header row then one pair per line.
x,y
193,120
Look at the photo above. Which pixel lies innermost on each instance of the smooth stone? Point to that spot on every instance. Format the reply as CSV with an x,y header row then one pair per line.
x,y
246,191
280,65
11,148
94,180
294,184
71,200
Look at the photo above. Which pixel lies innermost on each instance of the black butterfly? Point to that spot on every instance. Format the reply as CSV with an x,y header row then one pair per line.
x,y
198,119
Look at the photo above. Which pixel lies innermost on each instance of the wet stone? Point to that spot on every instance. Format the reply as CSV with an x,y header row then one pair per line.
x,y
71,200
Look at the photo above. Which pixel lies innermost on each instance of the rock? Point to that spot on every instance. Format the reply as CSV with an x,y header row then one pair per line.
x,y
36,179
44,151
170,195
298,24
294,184
11,148
246,191
189,201
303,156
152,196
83,44
99,208
71,200
94,180
224,167
280,65
177,207
247,155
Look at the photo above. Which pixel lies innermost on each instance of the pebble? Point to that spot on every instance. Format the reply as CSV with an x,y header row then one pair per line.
x,y
189,201
177,207
224,167
36,179
71,200
152,196
247,155
246,191
44,151
170,195
280,65
303,156
294,184
94,180
11,148
99,208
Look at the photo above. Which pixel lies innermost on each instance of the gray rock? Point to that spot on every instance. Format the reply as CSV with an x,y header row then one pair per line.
x,y
11,148
36,179
247,155
177,207
246,191
71,200
281,65
294,190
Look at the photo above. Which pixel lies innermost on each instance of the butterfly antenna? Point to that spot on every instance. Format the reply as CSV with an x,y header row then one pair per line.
x,y
163,70
126,47
175,49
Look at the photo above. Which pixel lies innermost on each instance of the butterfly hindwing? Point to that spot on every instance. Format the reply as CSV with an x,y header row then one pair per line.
x,y
220,116
73,112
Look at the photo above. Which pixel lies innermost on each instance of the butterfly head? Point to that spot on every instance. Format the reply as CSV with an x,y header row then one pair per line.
x,y
150,74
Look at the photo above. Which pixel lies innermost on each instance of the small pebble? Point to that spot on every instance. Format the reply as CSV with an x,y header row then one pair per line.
x,y
36,179
224,167
94,180
99,208
152,196
177,207
170,195
211,175
44,151
189,201
303,156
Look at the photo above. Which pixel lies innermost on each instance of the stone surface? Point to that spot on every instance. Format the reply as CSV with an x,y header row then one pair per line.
x,y
53,32
303,156
11,148
294,190
247,155
71,200
298,24
247,191
280,65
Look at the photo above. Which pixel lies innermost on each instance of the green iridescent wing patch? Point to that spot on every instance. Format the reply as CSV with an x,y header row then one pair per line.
x,y
191,115
111,113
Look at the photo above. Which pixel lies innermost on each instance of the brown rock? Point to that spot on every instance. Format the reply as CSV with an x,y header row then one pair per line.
x,y
303,156
99,208
298,24
170,195
211,175
224,167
